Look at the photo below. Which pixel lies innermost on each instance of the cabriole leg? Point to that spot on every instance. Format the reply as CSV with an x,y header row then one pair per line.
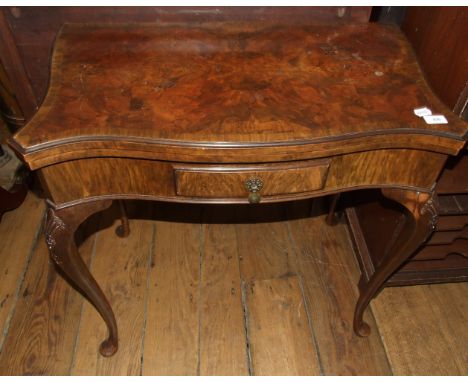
x,y
60,229
420,223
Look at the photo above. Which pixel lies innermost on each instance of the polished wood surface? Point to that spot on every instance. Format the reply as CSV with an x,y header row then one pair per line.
x,y
49,329
71,181
244,87
230,181
34,29
268,113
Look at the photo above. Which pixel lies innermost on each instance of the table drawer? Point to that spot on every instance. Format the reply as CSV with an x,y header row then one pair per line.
x,y
231,181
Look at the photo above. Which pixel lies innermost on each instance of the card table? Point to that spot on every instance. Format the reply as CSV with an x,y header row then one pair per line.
x,y
234,113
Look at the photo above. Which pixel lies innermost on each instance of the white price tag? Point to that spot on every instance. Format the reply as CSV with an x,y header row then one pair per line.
x,y
435,119
422,111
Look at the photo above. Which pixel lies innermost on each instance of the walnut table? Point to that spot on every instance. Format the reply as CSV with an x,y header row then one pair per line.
x,y
234,113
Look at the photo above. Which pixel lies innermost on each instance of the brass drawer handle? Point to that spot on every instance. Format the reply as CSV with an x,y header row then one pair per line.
x,y
254,185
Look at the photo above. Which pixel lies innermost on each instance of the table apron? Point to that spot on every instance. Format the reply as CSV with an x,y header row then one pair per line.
x,y
97,178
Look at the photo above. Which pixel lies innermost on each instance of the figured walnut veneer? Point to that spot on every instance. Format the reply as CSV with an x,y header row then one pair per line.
x,y
130,90
231,181
126,177
190,113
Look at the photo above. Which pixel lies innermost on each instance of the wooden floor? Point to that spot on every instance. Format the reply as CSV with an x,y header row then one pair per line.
x,y
262,290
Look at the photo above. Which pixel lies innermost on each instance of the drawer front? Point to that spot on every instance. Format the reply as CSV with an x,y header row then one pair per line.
x,y
230,181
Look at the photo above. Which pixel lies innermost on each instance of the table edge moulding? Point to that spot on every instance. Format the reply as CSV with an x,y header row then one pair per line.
x,y
234,113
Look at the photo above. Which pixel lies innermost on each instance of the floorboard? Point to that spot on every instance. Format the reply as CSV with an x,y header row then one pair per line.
x,y
225,290
19,231
43,330
278,330
223,349
264,247
120,266
424,328
171,344
329,276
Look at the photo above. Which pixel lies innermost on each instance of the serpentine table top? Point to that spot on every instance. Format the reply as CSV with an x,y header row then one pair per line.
x,y
234,113
132,89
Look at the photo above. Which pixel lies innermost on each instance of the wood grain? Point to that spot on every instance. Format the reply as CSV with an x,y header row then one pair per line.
x,y
264,248
329,273
13,64
121,266
452,180
414,168
267,260
229,181
440,47
423,328
371,221
231,86
35,28
241,94
278,304
12,116
173,308
223,346
181,151
139,178
43,329
19,231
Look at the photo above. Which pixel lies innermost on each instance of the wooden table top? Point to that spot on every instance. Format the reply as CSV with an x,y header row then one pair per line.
x,y
233,85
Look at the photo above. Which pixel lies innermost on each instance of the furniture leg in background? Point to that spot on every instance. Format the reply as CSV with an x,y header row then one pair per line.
x,y
331,216
123,230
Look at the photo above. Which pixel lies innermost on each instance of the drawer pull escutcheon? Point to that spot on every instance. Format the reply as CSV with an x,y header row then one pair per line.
x,y
254,185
